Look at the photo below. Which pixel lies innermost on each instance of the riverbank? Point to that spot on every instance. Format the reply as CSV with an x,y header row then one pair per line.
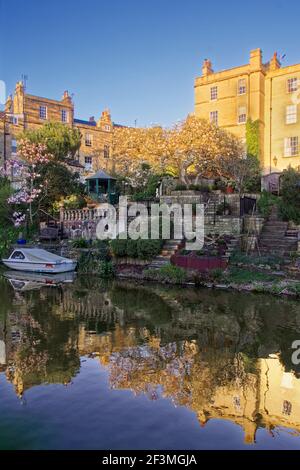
x,y
233,279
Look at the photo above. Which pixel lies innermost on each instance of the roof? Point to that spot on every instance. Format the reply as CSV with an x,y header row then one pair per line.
x,y
101,175
86,123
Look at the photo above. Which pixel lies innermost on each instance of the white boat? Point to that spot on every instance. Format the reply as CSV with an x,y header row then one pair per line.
x,y
38,261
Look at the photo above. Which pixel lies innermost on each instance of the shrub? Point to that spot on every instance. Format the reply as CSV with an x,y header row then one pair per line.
x,y
103,249
119,247
168,273
266,202
217,274
290,192
106,269
148,249
8,236
91,263
203,188
80,243
180,187
132,248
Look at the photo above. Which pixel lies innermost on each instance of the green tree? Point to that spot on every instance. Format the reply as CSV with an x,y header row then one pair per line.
x,y
58,182
61,141
290,192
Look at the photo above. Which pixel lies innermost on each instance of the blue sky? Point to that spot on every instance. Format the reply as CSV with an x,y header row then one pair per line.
x,y
139,58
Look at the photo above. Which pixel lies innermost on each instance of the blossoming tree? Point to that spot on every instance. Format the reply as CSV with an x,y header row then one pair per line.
x,y
25,170
193,145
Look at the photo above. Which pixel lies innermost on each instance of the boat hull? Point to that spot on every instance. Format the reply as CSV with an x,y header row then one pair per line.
x,y
50,268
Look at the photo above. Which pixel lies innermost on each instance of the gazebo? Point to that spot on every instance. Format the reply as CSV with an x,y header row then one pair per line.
x,y
101,186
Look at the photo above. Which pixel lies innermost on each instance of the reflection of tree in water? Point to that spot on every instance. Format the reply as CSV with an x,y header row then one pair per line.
x,y
188,342
46,351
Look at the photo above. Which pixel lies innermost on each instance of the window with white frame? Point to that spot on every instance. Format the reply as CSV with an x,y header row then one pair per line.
x,y
292,85
291,114
43,112
107,127
242,115
290,146
64,115
214,117
88,140
88,163
106,151
214,93
241,86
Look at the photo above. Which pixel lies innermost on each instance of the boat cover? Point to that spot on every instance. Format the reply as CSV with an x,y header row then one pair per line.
x,y
40,255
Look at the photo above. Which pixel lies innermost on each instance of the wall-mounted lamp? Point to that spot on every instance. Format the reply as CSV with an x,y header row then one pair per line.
x,y
275,160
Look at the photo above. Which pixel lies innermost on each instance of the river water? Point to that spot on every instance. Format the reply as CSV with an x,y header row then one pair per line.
x,y
86,364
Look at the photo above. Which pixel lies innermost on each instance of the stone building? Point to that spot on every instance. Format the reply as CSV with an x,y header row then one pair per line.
x,y
266,92
26,111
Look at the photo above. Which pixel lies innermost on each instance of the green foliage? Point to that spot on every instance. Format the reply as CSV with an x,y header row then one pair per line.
x,y
148,249
74,201
252,180
266,202
252,138
244,276
243,258
103,249
106,269
8,236
61,141
149,190
119,247
290,191
217,274
141,249
181,187
91,262
61,183
168,273
5,208
132,248
80,243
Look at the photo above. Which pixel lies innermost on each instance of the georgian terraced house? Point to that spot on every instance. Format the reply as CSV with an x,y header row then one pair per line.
x,y
265,92
26,111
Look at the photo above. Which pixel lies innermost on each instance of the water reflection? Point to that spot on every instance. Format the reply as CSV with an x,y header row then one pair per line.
x,y
221,355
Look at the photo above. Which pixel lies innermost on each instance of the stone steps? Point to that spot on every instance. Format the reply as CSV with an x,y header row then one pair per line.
x,y
170,247
273,239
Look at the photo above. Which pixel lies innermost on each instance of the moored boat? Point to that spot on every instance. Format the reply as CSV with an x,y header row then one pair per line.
x,y
39,261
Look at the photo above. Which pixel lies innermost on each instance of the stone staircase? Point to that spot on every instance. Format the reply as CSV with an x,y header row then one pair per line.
x,y
273,239
170,247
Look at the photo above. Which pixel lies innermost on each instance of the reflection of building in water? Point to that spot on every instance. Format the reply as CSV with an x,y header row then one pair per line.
x,y
189,359
211,385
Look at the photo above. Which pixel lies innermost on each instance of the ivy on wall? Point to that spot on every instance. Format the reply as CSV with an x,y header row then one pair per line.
x,y
252,138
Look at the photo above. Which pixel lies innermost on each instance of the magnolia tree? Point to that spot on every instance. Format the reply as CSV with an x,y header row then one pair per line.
x,y
192,146
25,170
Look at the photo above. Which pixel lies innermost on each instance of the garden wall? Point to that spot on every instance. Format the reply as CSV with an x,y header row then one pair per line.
x,y
198,263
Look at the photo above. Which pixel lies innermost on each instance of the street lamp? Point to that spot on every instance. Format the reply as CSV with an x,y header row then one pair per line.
x,y
275,160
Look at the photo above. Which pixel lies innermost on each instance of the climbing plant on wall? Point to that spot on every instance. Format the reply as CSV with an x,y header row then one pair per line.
x,y
252,138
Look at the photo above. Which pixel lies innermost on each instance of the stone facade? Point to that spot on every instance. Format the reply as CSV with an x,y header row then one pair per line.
x,y
265,92
25,111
